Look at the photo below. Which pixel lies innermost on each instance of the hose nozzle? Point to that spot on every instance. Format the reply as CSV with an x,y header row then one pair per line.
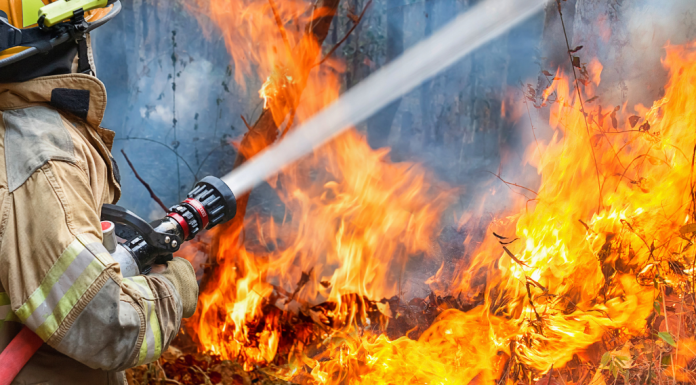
x,y
210,203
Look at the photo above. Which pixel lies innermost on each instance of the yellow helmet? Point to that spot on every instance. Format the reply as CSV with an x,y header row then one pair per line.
x,y
28,27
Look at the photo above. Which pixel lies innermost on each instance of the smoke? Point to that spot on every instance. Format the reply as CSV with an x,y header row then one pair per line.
x,y
628,38
191,81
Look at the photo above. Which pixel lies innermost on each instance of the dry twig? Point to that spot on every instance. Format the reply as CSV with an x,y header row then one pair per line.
x,y
355,24
147,186
584,114
245,122
281,28
513,184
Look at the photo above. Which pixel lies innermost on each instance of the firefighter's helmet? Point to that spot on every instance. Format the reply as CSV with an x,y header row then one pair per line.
x,y
28,27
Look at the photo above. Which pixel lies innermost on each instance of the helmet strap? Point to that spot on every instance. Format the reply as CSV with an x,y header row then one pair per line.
x,y
83,64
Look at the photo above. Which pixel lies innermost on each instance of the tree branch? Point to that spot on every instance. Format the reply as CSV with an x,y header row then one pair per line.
x,y
147,186
582,107
512,184
163,145
281,27
335,47
245,123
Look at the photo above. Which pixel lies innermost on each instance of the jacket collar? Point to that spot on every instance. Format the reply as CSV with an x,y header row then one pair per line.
x,y
41,91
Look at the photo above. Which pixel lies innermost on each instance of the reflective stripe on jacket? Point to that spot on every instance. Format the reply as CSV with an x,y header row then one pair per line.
x,y
56,172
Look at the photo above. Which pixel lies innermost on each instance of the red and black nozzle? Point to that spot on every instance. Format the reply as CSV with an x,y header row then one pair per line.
x,y
210,203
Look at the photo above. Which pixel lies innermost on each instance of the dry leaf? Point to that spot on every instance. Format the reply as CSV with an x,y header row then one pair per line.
x,y
385,309
598,379
511,255
353,17
687,229
595,140
633,120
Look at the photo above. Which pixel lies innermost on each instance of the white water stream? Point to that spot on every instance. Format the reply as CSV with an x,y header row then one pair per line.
x,y
467,32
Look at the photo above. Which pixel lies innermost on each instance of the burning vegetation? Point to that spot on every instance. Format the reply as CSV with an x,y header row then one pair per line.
x,y
587,279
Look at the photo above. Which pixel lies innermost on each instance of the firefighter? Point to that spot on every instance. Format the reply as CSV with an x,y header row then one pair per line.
x,y
56,171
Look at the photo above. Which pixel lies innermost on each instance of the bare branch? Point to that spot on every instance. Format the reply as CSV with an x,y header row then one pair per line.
x,y
512,184
245,122
163,145
335,47
582,106
281,27
147,186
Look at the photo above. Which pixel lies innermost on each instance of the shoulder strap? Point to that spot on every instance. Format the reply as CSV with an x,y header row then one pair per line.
x,y
11,37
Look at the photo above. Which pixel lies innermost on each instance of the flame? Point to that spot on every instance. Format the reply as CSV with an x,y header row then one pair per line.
x,y
351,235
590,254
579,262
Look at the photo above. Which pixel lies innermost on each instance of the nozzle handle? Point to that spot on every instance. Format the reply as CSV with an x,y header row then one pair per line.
x,y
152,236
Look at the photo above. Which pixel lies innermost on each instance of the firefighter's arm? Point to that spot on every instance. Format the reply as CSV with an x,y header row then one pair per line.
x,y
65,286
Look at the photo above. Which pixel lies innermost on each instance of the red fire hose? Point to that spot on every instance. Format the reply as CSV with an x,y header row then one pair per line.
x,y
17,354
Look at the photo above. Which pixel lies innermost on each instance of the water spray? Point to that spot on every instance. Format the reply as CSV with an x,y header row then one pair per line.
x,y
213,201
467,32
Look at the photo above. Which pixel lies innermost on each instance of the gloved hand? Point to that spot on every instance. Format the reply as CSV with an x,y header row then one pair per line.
x,y
180,273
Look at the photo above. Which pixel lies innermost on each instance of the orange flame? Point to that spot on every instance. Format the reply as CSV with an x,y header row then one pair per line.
x,y
602,233
352,233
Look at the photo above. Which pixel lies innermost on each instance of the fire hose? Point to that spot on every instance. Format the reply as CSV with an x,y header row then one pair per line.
x,y
210,203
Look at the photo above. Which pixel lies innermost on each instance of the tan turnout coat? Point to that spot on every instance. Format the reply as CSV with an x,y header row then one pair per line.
x,y
56,171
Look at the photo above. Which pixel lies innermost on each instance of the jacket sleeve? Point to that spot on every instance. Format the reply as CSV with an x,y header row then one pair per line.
x,y
65,286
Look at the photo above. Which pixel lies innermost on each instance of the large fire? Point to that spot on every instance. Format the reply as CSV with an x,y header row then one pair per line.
x,y
603,259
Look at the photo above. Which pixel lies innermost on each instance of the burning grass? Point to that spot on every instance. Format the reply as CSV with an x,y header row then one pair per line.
x,y
591,282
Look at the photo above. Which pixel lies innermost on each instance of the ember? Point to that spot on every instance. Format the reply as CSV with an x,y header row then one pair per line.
x,y
599,286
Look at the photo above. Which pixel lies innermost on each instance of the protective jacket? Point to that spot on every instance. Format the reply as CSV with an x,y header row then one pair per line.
x,y
56,172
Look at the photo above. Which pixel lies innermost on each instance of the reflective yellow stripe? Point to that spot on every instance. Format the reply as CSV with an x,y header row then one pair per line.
x,y
154,325
54,273
62,287
70,298
151,348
